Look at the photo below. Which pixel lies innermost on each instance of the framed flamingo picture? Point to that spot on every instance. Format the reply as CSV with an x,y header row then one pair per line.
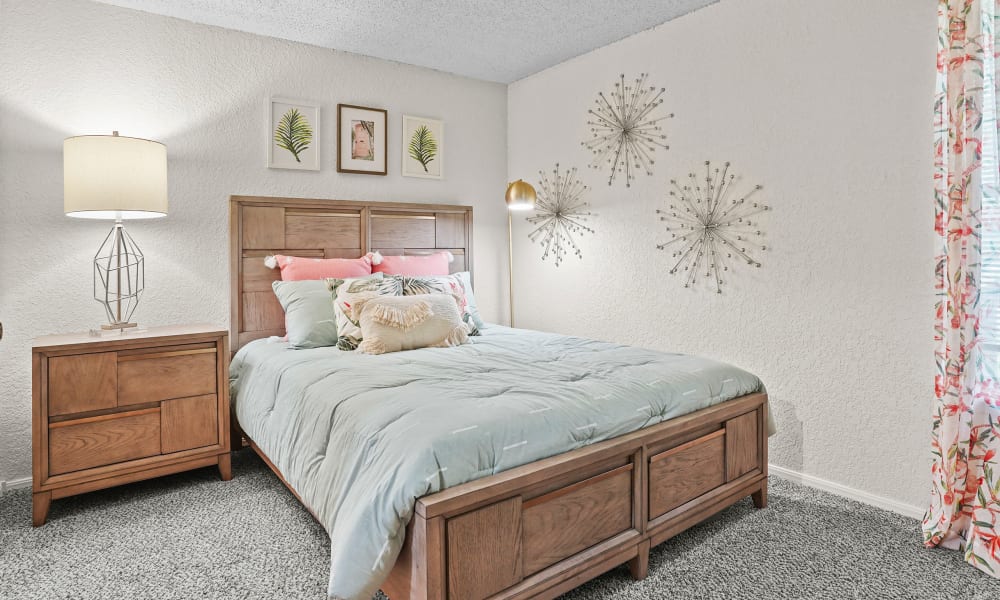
x,y
361,140
293,135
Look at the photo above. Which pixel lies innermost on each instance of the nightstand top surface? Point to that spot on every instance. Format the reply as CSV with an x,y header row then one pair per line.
x,y
84,338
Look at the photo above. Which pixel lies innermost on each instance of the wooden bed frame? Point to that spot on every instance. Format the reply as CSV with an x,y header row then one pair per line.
x,y
541,529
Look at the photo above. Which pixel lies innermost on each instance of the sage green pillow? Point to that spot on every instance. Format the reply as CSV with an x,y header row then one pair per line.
x,y
309,318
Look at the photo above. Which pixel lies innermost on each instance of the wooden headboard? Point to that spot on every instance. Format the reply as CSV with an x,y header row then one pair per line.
x,y
259,226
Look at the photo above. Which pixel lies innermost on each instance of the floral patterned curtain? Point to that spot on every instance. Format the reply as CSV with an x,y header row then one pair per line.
x,y
964,509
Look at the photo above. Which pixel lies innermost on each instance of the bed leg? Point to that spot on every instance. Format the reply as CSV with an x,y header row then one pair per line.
x,y
639,566
235,433
760,496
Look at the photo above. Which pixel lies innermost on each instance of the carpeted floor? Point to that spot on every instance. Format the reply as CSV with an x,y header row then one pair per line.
x,y
193,536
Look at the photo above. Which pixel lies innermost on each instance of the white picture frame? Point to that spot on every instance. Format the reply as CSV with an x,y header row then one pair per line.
x,y
288,152
431,167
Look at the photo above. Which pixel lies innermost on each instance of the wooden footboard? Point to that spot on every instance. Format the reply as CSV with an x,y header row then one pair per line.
x,y
539,530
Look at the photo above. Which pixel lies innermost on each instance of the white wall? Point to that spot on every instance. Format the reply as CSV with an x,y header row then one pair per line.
x,y
76,67
829,106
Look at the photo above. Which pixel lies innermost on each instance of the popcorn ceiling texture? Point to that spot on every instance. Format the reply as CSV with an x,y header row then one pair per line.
x,y
828,105
73,67
495,41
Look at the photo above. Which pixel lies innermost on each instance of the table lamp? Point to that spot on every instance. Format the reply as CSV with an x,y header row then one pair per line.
x,y
115,177
520,196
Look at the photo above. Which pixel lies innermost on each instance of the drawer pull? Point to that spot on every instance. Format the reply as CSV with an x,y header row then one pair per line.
x,y
109,417
574,487
686,445
124,358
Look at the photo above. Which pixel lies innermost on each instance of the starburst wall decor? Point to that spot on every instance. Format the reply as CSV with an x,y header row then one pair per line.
x,y
625,132
709,229
560,212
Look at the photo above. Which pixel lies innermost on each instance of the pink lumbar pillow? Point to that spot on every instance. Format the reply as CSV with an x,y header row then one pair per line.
x,y
413,266
298,268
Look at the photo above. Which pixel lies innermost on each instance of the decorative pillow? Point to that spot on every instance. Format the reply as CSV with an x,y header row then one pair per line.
x,y
431,264
310,321
297,268
471,307
448,284
346,292
395,323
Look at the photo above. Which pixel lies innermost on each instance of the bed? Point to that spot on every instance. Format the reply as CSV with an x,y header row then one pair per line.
x,y
517,466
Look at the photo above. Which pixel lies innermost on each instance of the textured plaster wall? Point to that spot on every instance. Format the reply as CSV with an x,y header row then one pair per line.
x,y
828,105
76,67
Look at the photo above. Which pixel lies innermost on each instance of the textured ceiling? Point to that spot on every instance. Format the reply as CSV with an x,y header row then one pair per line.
x,y
493,40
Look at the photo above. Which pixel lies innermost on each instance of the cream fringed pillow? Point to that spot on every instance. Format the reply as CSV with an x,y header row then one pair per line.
x,y
394,323
345,293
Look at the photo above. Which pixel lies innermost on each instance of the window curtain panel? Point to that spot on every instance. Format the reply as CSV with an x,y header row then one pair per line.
x,y
964,508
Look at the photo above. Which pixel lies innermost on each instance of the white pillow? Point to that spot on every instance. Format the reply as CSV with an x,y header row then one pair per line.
x,y
472,308
395,323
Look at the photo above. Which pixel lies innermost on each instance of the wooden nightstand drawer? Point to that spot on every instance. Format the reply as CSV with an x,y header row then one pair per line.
x,y
189,423
177,372
105,440
82,383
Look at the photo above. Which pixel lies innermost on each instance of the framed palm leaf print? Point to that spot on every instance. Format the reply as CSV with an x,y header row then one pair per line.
x,y
423,147
292,135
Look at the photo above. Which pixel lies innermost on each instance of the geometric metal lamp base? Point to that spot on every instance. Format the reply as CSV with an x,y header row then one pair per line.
x,y
113,326
119,274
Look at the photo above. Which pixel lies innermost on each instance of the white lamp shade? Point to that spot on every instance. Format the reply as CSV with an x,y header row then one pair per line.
x,y
114,177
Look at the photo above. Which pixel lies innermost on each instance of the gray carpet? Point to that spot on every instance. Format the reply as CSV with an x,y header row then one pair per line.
x,y
193,536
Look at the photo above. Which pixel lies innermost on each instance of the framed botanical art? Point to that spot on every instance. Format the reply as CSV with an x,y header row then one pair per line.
x,y
423,147
293,135
361,140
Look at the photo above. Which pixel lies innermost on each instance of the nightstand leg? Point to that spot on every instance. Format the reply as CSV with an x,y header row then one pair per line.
x,y
760,496
639,566
225,467
40,502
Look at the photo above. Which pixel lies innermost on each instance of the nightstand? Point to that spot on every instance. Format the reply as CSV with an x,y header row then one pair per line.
x,y
113,410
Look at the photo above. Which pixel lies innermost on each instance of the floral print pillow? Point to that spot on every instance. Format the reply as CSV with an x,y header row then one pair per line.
x,y
346,292
440,284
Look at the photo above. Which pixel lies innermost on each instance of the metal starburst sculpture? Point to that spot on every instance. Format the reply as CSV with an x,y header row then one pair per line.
x,y
625,132
560,212
709,229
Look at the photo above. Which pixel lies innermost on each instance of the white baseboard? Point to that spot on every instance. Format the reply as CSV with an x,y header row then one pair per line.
x,y
14,484
902,508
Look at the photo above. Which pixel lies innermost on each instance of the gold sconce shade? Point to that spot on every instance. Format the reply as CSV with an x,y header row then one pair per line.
x,y
114,177
520,196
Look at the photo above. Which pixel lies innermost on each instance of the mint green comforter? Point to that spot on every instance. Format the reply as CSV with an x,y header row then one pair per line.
x,y
361,437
